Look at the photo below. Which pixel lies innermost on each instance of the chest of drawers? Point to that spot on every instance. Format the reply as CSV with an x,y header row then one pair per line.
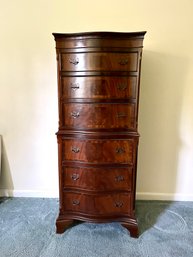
x,y
98,96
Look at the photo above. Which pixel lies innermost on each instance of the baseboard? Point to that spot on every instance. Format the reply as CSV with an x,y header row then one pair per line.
x,y
163,196
28,193
54,194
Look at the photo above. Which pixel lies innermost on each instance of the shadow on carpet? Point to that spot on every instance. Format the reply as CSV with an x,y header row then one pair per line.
x,y
27,229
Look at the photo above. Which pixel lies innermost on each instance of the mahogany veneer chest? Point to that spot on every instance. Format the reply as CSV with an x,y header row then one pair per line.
x,y
98,95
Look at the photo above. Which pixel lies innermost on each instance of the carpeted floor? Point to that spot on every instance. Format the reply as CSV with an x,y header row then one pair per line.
x,y
27,229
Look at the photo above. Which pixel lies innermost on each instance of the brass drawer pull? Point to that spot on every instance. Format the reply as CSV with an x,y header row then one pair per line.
x,y
118,204
120,150
75,176
75,114
75,202
74,61
123,61
75,149
121,114
74,86
121,87
119,178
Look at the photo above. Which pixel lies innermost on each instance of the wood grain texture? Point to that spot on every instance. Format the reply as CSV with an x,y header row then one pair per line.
x,y
99,61
101,87
99,151
97,179
102,204
105,116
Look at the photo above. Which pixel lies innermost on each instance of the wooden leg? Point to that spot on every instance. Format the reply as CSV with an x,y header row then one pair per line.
x,y
62,225
132,227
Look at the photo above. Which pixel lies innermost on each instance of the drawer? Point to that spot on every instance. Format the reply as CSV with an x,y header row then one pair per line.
x,y
99,179
99,151
98,204
99,61
99,87
98,116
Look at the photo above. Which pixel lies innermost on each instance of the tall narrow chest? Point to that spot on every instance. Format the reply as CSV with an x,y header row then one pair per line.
x,y
98,98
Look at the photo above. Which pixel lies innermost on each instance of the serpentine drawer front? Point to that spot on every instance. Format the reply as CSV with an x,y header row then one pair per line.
x,y
99,151
99,61
102,204
98,99
97,179
101,87
92,116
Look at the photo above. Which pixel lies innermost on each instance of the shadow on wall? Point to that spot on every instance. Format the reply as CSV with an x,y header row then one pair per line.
x,y
161,97
6,182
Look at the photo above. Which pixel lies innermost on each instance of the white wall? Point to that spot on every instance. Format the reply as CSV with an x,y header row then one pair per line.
x,y
28,90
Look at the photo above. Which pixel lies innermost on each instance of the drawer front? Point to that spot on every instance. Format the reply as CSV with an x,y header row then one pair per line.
x,y
99,116
99,151
99,62
99,179
99,87
97,204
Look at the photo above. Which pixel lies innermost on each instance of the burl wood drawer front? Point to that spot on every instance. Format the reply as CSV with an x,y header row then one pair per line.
x,y
99,87
103,116
99,179
99,151
119,203
99,62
